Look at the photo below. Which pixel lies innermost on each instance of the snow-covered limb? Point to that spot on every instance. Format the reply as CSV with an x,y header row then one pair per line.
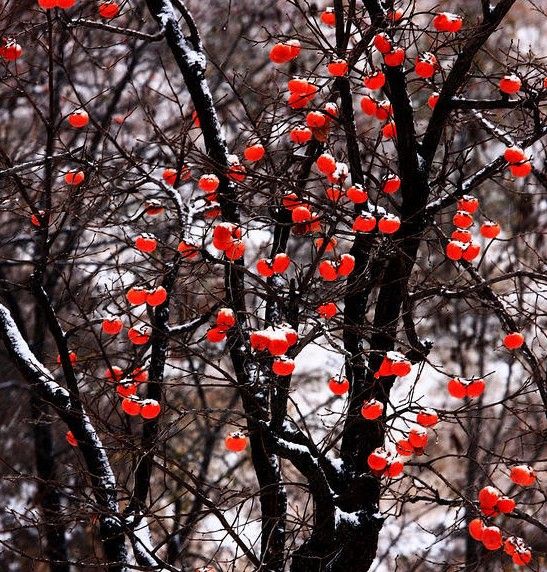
x,y
72,413
35,372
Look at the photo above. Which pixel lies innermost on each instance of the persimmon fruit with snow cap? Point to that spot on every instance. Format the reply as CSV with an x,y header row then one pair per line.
x,y
150,409
404,448
506,505
187,250
462,219
476,528
383,110
170,175
338,67
235,442
216,334
301,214
395,57
377,460
488,497
114,373
468,204
225,318
11,51
365,222
388,224
146,243
300,135
510,84
523,475
208,183
417,437
492,538
471,251
372,409
461,235
316,119
460,388
328,17
339,385
327,270
513,340
126,389
447,22
454,250
131,406
78,119
425,65
432,100
427,418
514,154
139,335
156,297
284,52
283,366
346,264
136,295
356,194
394,469
254,152
490,229
391,184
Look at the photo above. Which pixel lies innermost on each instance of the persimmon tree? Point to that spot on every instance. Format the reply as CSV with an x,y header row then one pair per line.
x,y
272,283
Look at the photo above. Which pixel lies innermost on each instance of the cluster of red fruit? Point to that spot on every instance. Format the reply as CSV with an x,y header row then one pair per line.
x,y
461,245
284,52
519,163
137,295
393,364
384,463
492,503
340,267
127,388
227,238
461,388
274,340
381,110
277,341
225,319
279,264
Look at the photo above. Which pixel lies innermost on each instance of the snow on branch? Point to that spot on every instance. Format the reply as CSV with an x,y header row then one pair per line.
x,y
33,370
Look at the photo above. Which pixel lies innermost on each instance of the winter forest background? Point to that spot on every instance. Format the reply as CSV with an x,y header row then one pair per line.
x,y
154,156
